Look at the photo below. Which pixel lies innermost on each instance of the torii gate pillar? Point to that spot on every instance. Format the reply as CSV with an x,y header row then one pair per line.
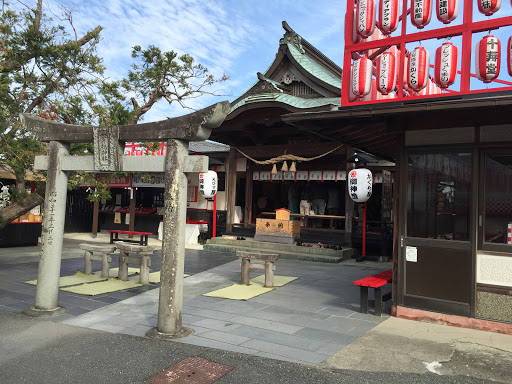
x,y
108,158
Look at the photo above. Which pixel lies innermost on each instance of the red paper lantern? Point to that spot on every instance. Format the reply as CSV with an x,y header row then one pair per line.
x,y
446,65
388,16
365,17
418,67
361,76
421,12
509,55
386,73
487,58
488,7
356,38
447,10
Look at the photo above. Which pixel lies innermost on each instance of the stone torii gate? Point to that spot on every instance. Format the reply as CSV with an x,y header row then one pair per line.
x,y
108,157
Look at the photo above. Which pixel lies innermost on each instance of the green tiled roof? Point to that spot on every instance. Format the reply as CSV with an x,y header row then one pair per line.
x,y
292,101
313,67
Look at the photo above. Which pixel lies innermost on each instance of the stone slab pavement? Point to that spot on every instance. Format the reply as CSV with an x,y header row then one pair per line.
x,y
312,321
305,321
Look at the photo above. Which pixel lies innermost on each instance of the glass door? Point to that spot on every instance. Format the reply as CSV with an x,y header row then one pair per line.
x,y
437,260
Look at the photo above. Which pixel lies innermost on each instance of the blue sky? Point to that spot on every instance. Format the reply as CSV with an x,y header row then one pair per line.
x,y
235,37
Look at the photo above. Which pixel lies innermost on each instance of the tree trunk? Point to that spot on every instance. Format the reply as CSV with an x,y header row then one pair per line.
x,y
14,210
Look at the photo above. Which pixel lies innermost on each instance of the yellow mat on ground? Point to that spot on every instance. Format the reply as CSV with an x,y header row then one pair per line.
x,y
279,281
114,272
110,285
239,292
154,277
78,278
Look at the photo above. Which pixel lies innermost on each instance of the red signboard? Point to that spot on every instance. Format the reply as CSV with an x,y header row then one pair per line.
x,y
117,182
465,23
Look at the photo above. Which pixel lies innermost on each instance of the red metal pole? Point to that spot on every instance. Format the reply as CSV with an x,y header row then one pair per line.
x,y
214,221
364,229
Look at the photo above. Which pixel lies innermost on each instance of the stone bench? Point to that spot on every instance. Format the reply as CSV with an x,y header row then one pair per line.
x,y
100,253
269,267
141,256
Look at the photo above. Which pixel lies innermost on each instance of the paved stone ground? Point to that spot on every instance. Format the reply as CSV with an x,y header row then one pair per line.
x,y
305,321
17,265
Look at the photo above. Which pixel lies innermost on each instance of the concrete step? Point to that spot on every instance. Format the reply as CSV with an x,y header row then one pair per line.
x,y
286,251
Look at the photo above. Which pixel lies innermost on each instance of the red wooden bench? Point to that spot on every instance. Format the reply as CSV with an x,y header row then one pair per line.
x,y
114,236
375,282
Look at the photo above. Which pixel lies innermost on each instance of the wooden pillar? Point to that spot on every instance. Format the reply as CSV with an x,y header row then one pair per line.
x,y
133,201
396,231
349,203
248,197
95,217
230,189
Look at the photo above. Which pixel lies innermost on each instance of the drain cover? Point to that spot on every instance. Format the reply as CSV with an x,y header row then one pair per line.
x,y
191,371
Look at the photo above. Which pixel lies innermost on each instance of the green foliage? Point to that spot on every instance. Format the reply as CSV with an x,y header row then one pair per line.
x,y
46,69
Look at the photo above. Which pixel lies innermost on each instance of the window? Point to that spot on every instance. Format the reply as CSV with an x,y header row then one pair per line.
x,y
439,196
498,197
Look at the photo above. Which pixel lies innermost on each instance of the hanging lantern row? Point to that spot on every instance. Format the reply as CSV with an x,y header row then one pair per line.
x,y
421,14
417,66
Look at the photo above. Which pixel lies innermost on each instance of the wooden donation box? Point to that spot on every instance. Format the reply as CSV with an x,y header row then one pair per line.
x,y
278,230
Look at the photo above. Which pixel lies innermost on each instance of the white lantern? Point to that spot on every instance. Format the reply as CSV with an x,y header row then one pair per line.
x,y
208,184
359,184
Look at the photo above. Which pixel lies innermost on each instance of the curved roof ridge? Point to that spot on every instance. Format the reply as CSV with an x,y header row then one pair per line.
x,y
312,48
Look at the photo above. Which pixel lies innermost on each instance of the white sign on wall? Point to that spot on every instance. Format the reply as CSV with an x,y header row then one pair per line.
x,y
154,180
256,175
378,178
411,254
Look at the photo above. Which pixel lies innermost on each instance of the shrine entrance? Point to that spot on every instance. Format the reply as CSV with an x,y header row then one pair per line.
x,y
108,157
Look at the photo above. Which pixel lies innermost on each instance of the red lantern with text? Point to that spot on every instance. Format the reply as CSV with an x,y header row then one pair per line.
x,y
447,10
487,58
418,67
356,38
386,73
361,76
488,7
446,65
365,17
421,12
388,16
509,55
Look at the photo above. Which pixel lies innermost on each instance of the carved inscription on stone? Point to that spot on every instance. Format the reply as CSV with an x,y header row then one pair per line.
x,y
106,149
49,223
